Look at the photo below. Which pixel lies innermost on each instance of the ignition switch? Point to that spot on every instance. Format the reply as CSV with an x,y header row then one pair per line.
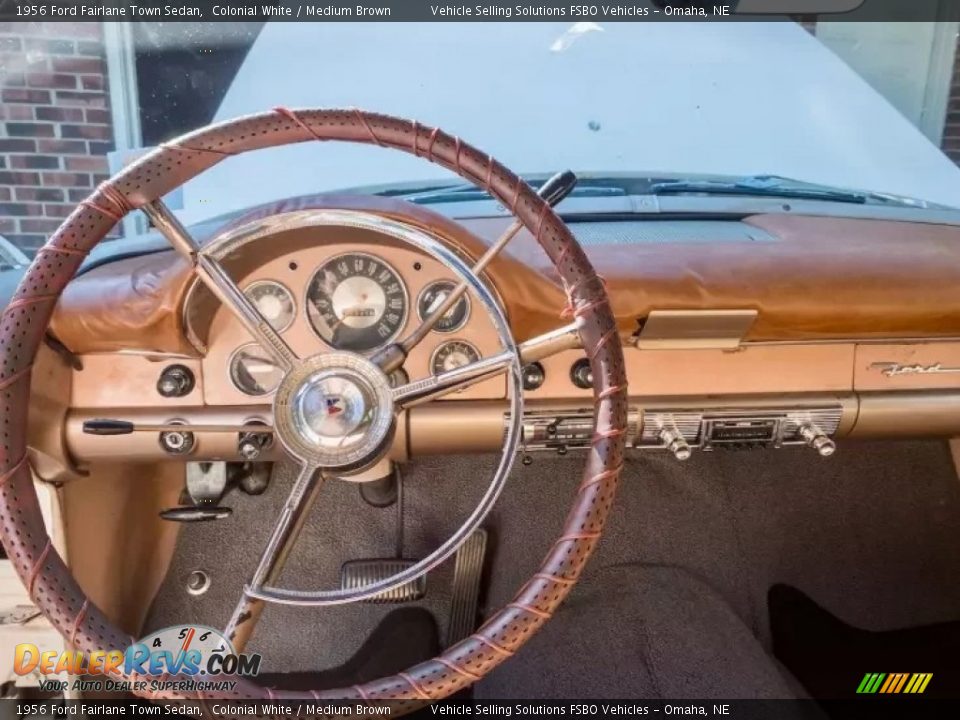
x,y
177,442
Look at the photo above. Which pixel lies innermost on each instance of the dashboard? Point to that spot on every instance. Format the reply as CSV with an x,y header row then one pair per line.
x,y
728,344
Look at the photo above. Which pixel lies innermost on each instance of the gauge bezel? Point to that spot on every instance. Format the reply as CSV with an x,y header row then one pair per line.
x,y
232,379
445,343
284,288
463,298
371,256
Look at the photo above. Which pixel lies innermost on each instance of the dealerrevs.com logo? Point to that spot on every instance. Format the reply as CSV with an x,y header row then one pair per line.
x,y
201,657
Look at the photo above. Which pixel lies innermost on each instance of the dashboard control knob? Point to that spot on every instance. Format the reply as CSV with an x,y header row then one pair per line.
x,y
175,381
581,375
533,376
818,440
675,443
177,442
252,444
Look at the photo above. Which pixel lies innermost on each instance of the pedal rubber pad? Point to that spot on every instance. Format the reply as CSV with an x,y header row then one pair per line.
x,y
465,596
356,574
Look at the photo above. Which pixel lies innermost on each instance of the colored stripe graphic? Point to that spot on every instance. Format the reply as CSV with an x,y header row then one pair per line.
x,y
870,683
903,680
918,683
894,683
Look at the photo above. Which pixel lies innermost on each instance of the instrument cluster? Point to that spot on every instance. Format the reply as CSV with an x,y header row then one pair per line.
x,y
358,301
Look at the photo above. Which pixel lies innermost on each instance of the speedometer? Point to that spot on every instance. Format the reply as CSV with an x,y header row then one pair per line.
x,y
356,302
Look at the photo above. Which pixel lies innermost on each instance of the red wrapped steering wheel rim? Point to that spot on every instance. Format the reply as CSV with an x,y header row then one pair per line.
x,y
48,580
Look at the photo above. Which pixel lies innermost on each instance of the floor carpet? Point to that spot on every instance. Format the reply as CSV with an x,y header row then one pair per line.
x,y
688,560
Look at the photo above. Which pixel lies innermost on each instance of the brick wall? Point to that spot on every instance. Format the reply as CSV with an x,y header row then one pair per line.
x,y
951,128
55,127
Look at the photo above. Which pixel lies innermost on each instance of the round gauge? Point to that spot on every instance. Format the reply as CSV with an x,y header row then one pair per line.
x,y
356,302
253,371
452,355
274,302
432,297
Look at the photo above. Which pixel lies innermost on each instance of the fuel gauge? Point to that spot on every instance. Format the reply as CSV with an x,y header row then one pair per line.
x,y
452,355
274,302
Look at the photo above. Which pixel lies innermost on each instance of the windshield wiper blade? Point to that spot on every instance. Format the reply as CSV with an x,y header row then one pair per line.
x,y
759,186
466,193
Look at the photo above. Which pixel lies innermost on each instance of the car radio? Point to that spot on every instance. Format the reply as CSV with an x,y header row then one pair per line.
x,y
681,430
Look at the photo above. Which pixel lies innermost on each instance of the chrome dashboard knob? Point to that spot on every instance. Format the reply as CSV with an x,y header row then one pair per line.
x,y
818,440
674,442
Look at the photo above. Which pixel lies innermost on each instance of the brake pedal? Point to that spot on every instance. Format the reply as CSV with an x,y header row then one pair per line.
x,y
356,574
465,595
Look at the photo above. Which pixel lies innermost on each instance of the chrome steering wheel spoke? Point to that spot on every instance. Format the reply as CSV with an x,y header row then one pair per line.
x,y
436,386
211,273
299,503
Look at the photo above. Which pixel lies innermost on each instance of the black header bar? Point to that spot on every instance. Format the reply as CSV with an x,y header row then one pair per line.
x,y
481,11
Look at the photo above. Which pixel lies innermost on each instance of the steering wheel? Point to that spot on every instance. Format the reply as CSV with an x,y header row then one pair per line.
x,y
50,583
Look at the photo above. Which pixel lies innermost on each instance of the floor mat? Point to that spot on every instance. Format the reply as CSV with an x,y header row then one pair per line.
x,y
870,534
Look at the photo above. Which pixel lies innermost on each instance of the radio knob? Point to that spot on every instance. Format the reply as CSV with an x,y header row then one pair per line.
x,y
674,442
818,440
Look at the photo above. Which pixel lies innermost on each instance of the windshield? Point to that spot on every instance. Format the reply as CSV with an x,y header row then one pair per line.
x,y
857,113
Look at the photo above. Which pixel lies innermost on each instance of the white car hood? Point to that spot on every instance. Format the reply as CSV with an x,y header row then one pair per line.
x,y
725,98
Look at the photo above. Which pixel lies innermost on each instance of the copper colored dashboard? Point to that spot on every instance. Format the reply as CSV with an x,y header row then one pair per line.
x,y
860,314
822,278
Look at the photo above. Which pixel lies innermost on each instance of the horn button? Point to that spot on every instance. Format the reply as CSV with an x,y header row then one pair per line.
x,y
335,410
